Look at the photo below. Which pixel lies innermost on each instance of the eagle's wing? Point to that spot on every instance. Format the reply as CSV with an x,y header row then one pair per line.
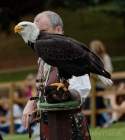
x,y
69,55
95,64
94,58
57,48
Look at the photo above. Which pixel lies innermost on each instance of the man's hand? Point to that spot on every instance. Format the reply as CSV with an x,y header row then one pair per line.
x,y
29,108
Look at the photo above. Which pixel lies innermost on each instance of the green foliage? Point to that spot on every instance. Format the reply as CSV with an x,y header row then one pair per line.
x,y
120,2
87,25
113,8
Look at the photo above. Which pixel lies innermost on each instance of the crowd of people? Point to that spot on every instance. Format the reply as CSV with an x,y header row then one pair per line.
x,y
20,93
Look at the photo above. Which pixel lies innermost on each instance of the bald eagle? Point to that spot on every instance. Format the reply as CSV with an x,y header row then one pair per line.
x,y
68,55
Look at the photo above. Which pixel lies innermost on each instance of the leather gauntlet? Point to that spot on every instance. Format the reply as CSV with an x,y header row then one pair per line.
x,y
56,96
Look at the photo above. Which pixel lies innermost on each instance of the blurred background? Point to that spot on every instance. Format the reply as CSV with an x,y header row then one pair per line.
x,y
84,20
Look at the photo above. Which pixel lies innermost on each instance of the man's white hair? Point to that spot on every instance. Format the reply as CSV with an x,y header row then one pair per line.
x,y
55,19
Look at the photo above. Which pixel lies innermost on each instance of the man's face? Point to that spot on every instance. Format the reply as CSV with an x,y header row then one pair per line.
x,y
43,23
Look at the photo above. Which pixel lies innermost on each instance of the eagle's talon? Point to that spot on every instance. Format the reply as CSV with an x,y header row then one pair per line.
x,y
59,85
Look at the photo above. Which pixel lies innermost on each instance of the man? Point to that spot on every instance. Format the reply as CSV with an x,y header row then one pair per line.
x,y
79,87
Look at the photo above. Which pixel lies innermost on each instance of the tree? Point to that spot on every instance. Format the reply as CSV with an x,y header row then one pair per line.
x,y
117,9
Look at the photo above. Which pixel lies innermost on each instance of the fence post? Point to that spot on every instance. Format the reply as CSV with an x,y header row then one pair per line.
x,y
93,102
11,109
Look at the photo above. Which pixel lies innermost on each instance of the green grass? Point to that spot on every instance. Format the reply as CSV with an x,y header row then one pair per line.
x,y
119,65
16,137
15,75
116,132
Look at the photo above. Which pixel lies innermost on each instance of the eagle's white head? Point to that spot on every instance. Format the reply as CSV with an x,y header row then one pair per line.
x,y
28,30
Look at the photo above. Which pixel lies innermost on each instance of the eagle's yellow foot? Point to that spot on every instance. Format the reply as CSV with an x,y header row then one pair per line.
x,y
59,85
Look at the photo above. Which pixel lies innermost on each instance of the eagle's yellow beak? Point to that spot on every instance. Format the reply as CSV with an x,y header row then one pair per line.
x,y
18,29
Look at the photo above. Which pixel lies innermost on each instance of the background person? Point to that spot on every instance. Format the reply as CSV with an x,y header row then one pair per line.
x,y
98,47
117,102
17,114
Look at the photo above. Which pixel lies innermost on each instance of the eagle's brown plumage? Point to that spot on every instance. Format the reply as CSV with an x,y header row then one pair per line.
x,y
68,55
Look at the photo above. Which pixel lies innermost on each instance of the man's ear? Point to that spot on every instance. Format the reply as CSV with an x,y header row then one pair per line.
x,y
59,30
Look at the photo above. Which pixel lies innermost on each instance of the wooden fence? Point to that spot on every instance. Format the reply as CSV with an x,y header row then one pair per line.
x,y
117,76
11,100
